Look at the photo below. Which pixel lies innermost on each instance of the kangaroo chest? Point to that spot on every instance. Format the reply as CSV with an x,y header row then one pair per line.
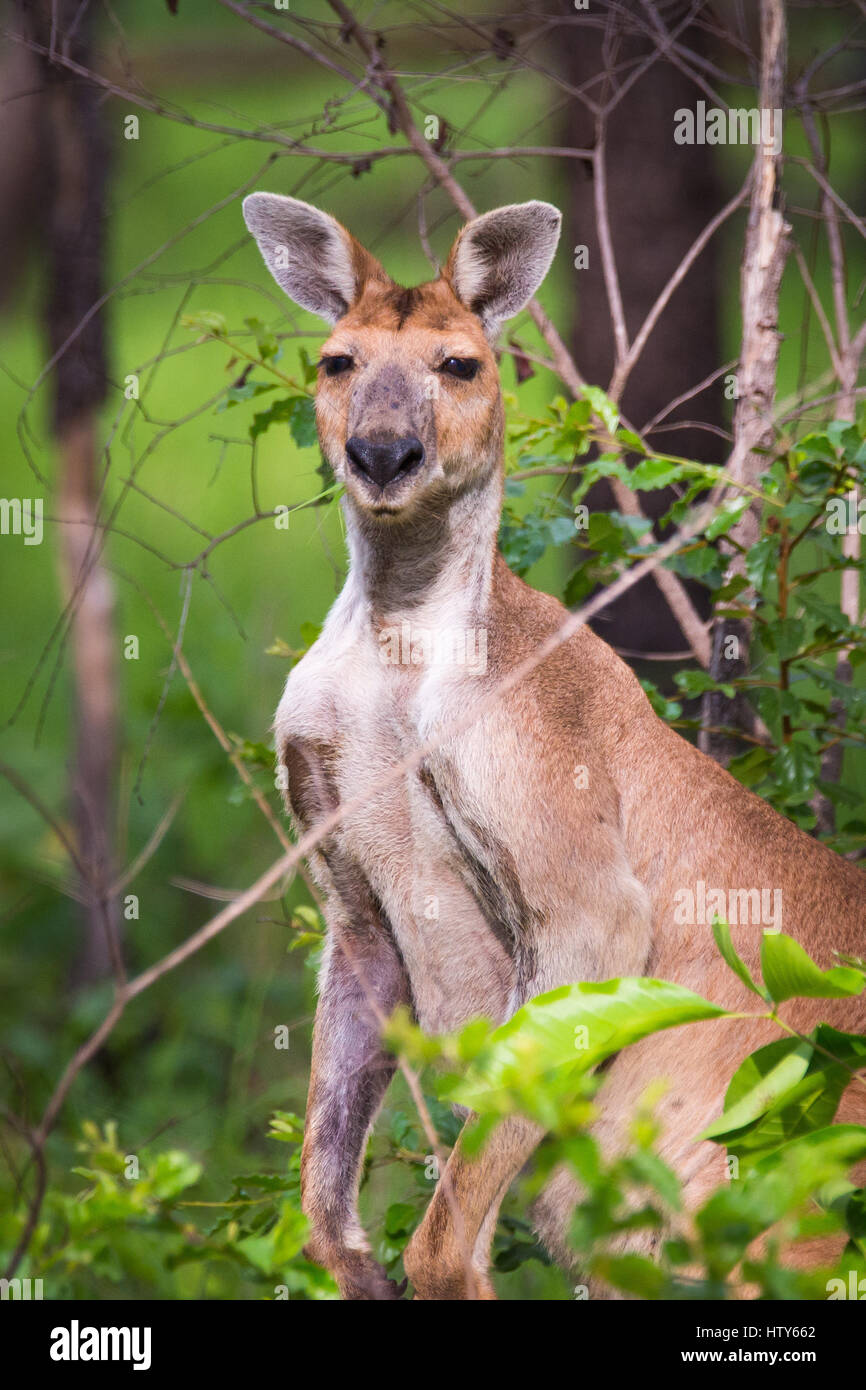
x,y
361,714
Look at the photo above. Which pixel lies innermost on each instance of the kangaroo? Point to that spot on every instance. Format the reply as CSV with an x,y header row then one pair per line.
x,y
550,841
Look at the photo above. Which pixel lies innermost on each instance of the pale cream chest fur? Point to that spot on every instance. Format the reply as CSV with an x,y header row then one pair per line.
x,y
370,713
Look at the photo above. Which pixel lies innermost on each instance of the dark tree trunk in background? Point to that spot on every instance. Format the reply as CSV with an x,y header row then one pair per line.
x,y
22,180
661,195
73,154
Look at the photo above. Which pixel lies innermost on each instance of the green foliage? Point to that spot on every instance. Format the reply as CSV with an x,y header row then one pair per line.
x,y
149,1230
788,972
574,1028
788,1088
728,952
789,1165
524,539
789,593
298,412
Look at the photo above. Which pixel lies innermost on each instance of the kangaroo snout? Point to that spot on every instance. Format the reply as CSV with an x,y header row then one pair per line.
x,y
384,461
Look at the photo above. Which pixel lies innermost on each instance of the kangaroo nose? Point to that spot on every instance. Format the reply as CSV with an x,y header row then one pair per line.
x,y
382,463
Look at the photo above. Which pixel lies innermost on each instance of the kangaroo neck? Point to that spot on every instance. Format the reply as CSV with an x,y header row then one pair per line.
x,y
437,561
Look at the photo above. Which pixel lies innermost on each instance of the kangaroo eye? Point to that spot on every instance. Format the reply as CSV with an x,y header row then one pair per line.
x,y
335,365
463,367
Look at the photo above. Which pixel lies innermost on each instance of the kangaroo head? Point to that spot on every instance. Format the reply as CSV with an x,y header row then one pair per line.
x,y
408,403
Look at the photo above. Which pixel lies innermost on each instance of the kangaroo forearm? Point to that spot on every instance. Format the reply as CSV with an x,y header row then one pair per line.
x,y
339,1115
350,1074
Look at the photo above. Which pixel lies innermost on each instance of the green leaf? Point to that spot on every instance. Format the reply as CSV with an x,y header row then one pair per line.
x,y
308,367
722,935
664,708
726,517
772,703
789,635
843,435
400,1218
644,1166
445,1122
206,321
302,423
752,767
831,616
282,1243
515,1245
264,1182
170,1173
524,539
796,765
576,1027
817,1158
654,473
761,562
790,973
853,699
266,342
602,406
697,682
810,1104
247,391
310,919
735,586
631,440
298,412
817,445
698,562
634,1274
853,1207
287,1127
787,1064
735,1214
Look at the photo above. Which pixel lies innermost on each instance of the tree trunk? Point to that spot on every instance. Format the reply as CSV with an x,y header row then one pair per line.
x,y
73,152
661,196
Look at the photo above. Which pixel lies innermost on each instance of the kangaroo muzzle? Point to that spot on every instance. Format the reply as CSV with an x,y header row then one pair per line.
x,y
384,461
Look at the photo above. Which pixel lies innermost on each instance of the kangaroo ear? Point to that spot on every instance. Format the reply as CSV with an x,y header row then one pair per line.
x,y
310,255
499,260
